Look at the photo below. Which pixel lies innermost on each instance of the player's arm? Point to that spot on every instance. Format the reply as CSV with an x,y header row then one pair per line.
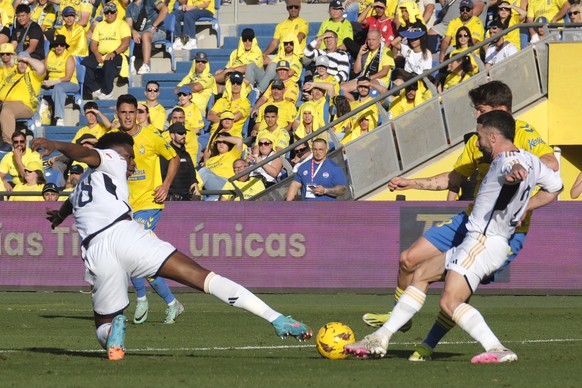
x,y
449,180
576,190
551,161
542,198
71,150
56,217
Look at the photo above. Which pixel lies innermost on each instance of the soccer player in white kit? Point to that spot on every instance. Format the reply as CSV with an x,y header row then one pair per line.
x,y
502,201
115,247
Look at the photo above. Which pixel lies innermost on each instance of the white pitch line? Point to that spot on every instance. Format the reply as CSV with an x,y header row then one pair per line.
x,y
298,346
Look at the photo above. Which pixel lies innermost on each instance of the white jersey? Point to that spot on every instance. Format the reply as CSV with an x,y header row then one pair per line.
x,y
101,197
499,206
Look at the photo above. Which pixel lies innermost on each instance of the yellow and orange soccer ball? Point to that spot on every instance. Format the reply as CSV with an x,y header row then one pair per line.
x,y
332,338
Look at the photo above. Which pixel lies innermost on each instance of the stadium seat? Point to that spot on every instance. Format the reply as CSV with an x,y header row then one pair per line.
x,y
215,24
169,24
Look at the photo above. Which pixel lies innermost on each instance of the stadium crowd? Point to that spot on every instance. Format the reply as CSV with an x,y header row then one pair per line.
x,y
261,101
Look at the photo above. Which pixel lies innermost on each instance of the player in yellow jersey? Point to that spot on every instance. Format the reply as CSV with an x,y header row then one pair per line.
x,y
494,95
147,193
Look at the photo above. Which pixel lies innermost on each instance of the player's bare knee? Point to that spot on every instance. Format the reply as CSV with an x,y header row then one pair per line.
x,y
408,262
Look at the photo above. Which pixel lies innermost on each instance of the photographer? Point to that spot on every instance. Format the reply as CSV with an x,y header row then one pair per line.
x,y
185,184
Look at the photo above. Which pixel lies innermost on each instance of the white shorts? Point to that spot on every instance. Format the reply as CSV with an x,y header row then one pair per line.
x,y
477,257
123,251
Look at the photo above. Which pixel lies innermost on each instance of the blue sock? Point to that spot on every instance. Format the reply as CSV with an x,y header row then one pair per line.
x,y
159,285
439,329
140,287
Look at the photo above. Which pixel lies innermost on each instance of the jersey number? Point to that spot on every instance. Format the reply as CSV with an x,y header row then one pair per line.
x,y
87,190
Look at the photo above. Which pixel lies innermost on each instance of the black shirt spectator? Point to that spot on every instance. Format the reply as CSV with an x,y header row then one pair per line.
x,y
184,187
26,34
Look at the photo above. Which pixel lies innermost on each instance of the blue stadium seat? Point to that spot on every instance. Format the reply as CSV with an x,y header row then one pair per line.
x,y
213,21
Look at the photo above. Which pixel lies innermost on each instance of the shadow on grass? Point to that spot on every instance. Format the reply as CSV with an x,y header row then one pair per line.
x,y
79,317
88,354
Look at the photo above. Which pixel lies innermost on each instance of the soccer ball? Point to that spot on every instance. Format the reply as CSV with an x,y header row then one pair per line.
x,y
332,338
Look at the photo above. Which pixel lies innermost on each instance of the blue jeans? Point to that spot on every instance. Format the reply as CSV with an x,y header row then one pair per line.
x,y
211,182
59,96
189,18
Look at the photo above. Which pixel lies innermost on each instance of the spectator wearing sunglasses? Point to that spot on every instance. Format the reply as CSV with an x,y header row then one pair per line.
x,y
280,135
218,159
301,154
156,110
269,173
200,80
61,78
7,59
510,15
501,48
467,19
288,52
293,24
14,162
248,51
34,180
234,99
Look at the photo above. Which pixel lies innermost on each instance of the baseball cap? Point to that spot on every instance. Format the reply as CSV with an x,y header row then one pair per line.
x,y
236,77
110,7
413,33
466,3
50,187
185,89
7,48
177,128
69,11
226,115
201,56
87,138
278,84
322,60
34,165
337,4
76,169
541,19
283,64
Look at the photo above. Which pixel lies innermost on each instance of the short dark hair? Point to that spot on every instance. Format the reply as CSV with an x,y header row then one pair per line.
x,y
22,8
90,105
126,99
493,93
500,120
17,134
153,82
320,140
112,139
177,109
271,109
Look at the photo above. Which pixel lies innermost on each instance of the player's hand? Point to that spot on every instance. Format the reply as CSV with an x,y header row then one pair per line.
x,y
399,183
517,174
54,217
47,146
160,194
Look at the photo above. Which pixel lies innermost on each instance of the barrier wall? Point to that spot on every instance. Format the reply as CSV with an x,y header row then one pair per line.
x,y
351,246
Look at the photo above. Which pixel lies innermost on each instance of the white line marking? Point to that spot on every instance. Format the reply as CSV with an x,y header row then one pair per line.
x,y
298,346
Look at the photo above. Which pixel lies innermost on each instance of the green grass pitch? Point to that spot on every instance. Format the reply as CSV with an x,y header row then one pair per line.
x,y
48,340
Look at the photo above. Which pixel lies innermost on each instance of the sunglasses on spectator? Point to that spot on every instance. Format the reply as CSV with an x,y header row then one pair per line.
x,y
301,151
150,90
573,13
288,43
109,12
60,45
247,39
142,111
19,142
465,9
504,9
182,94
265,143
462,36
5,54
236,83
200,61
293,7
30,171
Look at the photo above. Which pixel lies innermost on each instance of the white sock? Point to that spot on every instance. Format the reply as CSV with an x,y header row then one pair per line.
x,y
172,302
142,298
236,295
102,333
410,302
471,320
